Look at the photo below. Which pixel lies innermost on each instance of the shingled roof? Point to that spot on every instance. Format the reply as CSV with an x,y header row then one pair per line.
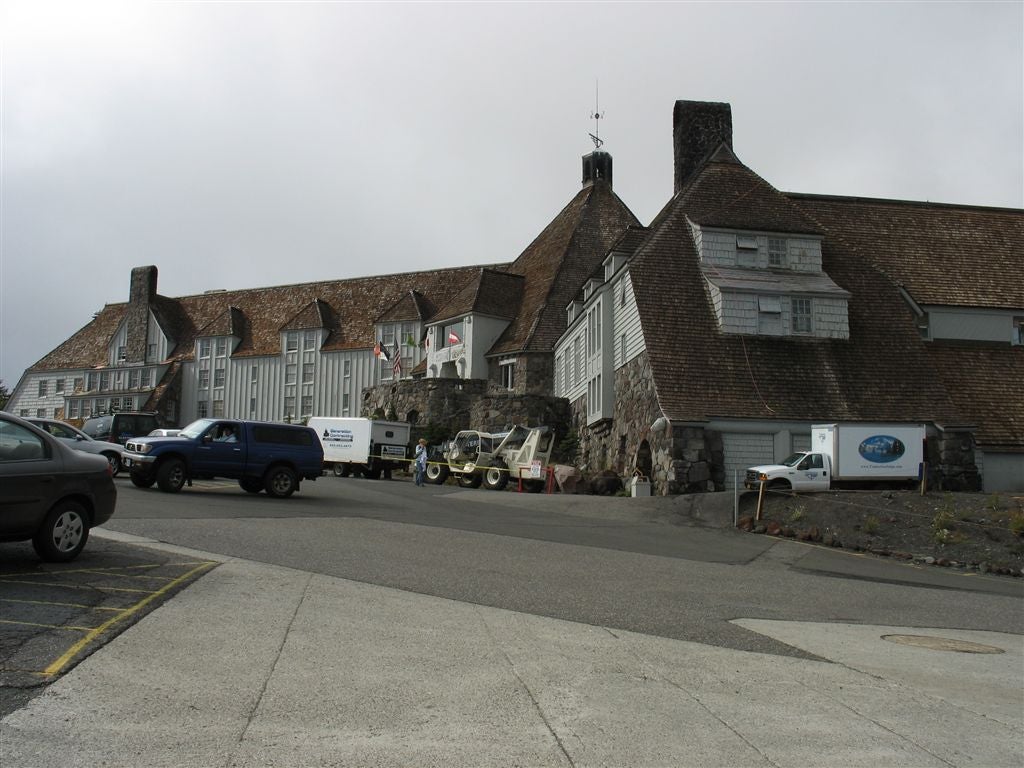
x,y
557,263
492,293
346,306
882,372
930,248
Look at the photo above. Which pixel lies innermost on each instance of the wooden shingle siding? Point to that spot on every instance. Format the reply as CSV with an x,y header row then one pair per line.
x,y
626,322
745,450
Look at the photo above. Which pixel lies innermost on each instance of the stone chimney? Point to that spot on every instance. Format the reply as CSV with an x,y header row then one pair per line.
x,y
698,127
140,296
597,166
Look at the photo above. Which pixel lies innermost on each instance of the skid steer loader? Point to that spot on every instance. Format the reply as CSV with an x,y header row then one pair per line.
x,y
491,459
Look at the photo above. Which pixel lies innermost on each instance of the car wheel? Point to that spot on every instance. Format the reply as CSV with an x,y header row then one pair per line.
x,y
437,473
280,482
114,461
142,481
170,475
63,533
251,484
496,476
470,479
339,471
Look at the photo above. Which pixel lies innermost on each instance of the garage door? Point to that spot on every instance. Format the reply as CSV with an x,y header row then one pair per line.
x,y
742,451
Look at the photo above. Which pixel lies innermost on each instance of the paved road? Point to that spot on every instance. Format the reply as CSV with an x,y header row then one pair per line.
x,y
368,623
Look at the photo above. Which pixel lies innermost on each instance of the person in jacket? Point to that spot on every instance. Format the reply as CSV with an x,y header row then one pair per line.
x,y
421,461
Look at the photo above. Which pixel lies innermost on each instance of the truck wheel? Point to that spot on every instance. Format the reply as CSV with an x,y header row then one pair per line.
x,y
496,476
63,533
170,475
251,484
470,479
779,485
437,473
280,482
142,481
338,471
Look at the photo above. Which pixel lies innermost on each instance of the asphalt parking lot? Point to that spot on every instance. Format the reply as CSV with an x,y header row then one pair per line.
x,y
53,615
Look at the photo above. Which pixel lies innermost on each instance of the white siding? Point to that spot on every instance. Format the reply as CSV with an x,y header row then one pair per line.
x,y
971,324
719,247
625,323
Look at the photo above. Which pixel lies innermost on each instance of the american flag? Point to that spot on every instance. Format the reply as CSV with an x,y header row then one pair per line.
x,y
397,365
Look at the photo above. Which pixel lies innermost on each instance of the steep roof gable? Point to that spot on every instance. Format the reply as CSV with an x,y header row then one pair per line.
x,y
491,293
558,262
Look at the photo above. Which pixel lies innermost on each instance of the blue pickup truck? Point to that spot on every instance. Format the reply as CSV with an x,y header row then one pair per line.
x,y
260,455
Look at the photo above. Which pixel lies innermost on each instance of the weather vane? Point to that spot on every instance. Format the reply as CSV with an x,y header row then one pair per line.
x,y
596,115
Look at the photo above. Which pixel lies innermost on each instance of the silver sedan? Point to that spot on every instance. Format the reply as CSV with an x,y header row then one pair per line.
x,y
77,439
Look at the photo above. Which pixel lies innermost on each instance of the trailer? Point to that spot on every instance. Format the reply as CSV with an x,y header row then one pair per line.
x,y
854,454
358,446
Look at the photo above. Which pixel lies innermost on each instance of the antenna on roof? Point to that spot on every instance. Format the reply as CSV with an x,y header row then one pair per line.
x,y
596,116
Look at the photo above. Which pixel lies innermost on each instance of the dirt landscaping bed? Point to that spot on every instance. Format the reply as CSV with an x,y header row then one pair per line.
x,y
970,531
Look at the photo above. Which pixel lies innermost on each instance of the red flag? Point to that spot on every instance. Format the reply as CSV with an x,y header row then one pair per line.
x,y
453,337
376,349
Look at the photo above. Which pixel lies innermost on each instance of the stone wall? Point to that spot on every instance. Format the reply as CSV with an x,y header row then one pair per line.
x,y
449,405
951,460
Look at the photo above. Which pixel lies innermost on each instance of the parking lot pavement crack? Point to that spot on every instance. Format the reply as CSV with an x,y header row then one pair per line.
x,y
273,667
533,698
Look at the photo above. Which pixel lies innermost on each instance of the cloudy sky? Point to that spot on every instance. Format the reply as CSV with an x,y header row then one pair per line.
x,y
240,144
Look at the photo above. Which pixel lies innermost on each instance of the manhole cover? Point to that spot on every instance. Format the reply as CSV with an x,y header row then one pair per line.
x,y
942,644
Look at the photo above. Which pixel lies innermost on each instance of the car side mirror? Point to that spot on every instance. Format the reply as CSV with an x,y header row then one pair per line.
x,y
207,438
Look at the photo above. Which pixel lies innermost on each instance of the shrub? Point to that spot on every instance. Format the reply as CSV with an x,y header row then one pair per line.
x,y
797,514
870,524
1017,523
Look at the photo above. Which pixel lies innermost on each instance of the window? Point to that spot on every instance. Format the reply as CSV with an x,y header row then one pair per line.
x,y
289,408
42,388
86,409
252,407
40,413
290,372
23,412
133,379
221,348
59,386
776,252
255,374
291,342
204,378
122,354
24,443
115,404
202,410
93,379
345,402
508,373
622,294
309,340
622,349
204,347
218,378
146,374
218,409
307,373
150,352
307,406
769,315
801,319
79,384
73,409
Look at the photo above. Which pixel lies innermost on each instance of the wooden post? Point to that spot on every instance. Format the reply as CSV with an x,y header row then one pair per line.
x,y
924,478
760,501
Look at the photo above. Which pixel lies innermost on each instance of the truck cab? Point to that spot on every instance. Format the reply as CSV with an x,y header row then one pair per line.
x,y
800,471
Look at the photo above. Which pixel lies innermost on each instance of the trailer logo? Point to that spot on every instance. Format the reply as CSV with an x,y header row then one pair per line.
x,y
881,449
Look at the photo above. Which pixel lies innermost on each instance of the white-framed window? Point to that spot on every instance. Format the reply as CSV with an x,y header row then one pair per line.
x,y
133,378
507,368
345,403
93,379
115,404
291,341
150,352
577,363
769,315
289,408
218,409
42,387
252,407
79,384
86,409
202,409
204,378
146,377
219,375
40,413
777,252
122,353
309,340
307,373
73,409
204,348
800,320
58,387
254,375
221,347
307,406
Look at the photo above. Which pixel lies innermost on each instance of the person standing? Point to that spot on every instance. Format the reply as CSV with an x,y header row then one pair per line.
x,y
421,461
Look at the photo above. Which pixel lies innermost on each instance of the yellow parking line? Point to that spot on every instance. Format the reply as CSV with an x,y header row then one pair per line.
x,y
85,570
47,626
63,605
74,586
68,655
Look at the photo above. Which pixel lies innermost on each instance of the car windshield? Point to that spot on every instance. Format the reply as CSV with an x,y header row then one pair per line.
x,y
793,459
196,428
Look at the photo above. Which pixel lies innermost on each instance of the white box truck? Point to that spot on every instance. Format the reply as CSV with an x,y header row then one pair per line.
x,y
841,453
354,446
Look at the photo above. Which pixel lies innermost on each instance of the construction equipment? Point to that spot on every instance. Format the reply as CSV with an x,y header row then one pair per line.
x,y
477,458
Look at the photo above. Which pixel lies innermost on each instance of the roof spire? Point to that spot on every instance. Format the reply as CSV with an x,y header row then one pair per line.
x,y
596,115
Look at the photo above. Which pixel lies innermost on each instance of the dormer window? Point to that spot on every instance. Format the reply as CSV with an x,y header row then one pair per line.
x,y
800,319
777,252
746,243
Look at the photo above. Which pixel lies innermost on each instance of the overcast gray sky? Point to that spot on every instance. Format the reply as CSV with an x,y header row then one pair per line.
x,y
241,144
